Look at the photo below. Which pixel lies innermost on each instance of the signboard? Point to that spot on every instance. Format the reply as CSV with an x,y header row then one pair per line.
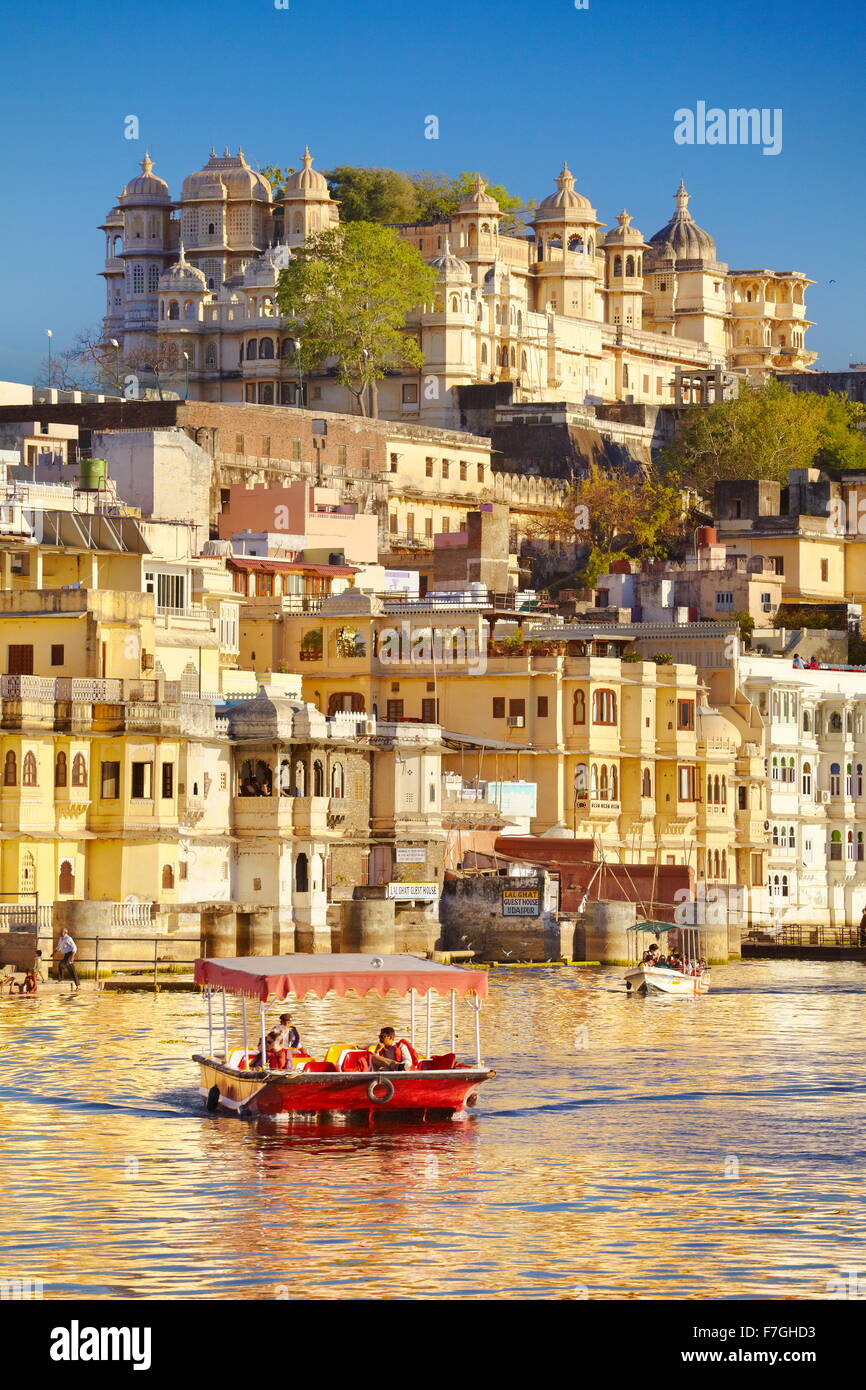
x,y
521,902
411,854
413,892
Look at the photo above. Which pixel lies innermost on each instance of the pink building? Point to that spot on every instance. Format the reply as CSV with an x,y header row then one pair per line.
x,y
313,520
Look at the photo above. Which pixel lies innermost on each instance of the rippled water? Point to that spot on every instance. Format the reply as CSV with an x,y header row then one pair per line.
x,y
628,1147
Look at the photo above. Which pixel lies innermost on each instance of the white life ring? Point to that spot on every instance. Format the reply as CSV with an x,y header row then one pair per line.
x,y
374,1086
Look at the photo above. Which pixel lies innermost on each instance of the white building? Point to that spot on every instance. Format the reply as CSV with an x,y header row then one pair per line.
x,y
816,757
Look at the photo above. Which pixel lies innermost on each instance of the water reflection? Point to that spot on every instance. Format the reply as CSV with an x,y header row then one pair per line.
x,y
641,1148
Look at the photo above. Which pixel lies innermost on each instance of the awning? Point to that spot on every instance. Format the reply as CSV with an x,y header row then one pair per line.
x,y
263,976
655,927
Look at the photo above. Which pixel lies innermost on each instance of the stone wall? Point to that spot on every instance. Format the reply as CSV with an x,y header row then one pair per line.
x,y
473,919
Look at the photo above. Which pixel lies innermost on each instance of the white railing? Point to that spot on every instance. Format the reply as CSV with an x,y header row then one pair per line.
x,y
132,914
27,688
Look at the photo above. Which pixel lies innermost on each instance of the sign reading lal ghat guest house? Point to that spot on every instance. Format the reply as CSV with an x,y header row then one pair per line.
x,y
521,902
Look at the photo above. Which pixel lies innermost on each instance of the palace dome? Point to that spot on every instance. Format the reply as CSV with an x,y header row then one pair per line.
x,y
450,267
682,237
182,274
307,182
479,200
624,234
226,176
564,201
146,187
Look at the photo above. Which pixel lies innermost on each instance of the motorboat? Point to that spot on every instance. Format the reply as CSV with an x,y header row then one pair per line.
x,y
655,979
344,1082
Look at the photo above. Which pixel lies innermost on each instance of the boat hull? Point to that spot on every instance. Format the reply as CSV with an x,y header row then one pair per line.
x,y
645,979
439,1094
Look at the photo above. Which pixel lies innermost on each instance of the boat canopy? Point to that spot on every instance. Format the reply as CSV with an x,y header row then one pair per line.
x,y
655,927
261,977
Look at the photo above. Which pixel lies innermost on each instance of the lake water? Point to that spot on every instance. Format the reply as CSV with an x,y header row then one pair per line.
x,y
627,1148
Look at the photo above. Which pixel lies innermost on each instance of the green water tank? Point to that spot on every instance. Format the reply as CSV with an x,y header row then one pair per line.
x,y
92,474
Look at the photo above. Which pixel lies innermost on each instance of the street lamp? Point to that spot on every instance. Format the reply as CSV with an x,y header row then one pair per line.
x,y
116,345
296,344
49,335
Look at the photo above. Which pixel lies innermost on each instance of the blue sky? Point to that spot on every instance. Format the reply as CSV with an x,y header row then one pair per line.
x,y
517,87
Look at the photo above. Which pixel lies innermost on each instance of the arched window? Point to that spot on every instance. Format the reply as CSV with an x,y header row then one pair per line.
x,y
337,780
10,770
266,348
646,784
629,265
211,230
807,721
497,314
578,707
152,280
79,771
860,845
318,779
455,303
252,350
173,309
167,876
138,279
189,309
603,707
575,243
28,778
835,722
836,844
724,863
302,874
849,845
210,355
523,361
614,784
593,780
849,780
859,782
835,779
724,791
776,836
617,265
66,879
300,778
807,779
774,770
61,770
792,837
484,354
603,788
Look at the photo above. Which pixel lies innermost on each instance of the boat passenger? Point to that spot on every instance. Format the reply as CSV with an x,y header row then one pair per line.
x,y
390,1055
283,1041
675,961
650,957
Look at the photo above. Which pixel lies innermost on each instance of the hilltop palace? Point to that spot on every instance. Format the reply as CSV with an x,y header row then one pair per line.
x,y
564,311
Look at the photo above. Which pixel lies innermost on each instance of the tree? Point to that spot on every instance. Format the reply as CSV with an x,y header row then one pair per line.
x,y
438,196
276,177
613,512
346,294
372,195
763,433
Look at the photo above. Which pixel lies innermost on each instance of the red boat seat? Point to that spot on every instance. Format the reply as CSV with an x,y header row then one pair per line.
x,y
320,1066
444,1062
357,1060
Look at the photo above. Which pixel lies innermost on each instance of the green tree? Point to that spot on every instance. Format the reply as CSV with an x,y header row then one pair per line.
x,y
763,433
372,195
276,177
346,294
615,513
438,196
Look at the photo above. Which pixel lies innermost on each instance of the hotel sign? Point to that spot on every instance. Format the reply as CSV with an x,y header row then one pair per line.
x,y
411,854
413,892
521,902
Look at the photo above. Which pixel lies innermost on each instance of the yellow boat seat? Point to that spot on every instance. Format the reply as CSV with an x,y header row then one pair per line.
x,y
337,1050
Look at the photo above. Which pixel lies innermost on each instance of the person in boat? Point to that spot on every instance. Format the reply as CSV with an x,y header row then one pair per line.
x,y
283,1041
675,961
862,931
650,957
390,1055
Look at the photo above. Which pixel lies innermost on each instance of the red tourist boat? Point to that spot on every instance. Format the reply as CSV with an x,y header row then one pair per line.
x,y
343,1082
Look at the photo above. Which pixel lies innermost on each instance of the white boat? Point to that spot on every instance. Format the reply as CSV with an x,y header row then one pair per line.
x,y
654,979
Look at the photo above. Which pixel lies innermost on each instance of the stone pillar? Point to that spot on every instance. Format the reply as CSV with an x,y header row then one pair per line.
x,y
256,933
368,925
603,934
218,931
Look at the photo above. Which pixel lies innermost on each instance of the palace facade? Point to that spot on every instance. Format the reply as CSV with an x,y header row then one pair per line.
x,y
565,311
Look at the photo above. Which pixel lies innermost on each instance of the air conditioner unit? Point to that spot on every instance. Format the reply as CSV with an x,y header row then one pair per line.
x,y
515,721
825,798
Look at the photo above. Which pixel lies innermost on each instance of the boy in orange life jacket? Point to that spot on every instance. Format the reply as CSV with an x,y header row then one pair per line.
x,y
389,1055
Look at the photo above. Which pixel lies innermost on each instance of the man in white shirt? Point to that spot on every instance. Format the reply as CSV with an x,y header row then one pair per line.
x,y
67,950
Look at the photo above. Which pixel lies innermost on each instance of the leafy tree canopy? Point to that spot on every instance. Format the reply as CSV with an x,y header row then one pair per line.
x,y
763,433
346,294
371,194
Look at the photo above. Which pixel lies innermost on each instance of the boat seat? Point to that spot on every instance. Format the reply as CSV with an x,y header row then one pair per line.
x,y
355,1059
337,1051
319,1066
444,1062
